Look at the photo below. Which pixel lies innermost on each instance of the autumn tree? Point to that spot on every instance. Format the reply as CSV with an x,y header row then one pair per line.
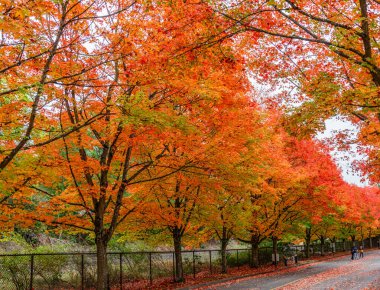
x,y
46,48
141,94
233,175
268,205
181,204
358,212
321,54
322,187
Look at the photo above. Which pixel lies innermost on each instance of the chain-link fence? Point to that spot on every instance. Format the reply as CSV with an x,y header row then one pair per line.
x,y
132,270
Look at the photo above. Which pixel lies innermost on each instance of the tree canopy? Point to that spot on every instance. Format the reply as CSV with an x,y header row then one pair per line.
x,y
145,119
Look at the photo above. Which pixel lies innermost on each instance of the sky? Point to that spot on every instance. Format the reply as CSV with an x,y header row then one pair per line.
x,y
344,158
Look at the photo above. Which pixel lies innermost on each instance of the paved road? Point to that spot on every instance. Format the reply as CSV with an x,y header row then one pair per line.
x,y
340,273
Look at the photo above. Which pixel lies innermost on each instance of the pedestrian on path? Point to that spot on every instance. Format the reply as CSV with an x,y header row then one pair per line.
x,y
354,251
361,252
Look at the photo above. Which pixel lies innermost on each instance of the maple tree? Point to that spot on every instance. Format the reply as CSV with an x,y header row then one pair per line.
x,y
181,202
321,54
176,211
307,195
37,64
355,223
45,47
227,204
322,185
233,175
267,206
149,87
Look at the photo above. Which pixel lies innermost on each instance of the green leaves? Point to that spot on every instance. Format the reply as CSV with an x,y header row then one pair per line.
x,y
139,111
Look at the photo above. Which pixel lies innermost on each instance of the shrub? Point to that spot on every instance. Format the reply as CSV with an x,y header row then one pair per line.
x,y
15,272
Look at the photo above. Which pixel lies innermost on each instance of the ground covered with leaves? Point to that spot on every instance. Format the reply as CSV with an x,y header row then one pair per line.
x,y
205,280
335,273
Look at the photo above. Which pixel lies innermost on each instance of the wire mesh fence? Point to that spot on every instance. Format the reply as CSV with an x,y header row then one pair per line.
x,y
127,269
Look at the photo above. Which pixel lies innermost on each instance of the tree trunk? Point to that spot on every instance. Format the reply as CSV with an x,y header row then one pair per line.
x,y
274,250
353,240
362,240
254,252
101,263
307,248
307,242
177,239
101,241
225,238
322,239
333,249
224,255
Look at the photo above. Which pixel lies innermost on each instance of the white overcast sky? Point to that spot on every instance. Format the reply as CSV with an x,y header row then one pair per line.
x,y
344,158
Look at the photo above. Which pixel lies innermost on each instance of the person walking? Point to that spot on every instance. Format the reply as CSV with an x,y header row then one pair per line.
x,y
361,252
354,251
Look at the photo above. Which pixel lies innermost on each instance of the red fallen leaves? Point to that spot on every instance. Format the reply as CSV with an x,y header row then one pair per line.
x,y
315,279
285,270
339,277
244,272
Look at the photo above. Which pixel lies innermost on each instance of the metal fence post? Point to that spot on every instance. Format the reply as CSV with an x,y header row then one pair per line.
x,y
121,271
31,272
275,259
173,266
82,271
150,268
237,258
193,265
250,258
210,254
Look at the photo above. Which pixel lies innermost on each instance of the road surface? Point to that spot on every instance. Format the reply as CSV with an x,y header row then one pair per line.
x,y
340,273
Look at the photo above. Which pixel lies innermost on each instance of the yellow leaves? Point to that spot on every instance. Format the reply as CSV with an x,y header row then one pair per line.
x,y
370,133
